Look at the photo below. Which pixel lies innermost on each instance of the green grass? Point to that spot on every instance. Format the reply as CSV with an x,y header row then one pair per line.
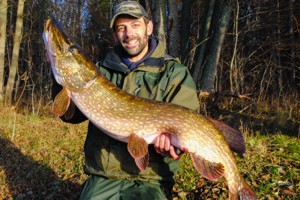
x,y
42,158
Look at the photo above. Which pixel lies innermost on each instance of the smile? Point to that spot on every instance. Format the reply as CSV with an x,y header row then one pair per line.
x,y
131,42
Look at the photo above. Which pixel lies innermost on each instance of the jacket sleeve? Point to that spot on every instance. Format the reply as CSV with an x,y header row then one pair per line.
x,y
181,89
78,116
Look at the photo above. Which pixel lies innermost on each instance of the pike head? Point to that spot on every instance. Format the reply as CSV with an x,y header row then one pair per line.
x,y
71,68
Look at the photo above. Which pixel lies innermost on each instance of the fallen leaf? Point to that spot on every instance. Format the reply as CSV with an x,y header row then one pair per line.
x,y
288,192
266,177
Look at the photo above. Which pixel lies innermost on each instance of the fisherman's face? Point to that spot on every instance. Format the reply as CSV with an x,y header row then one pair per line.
x,y
133,34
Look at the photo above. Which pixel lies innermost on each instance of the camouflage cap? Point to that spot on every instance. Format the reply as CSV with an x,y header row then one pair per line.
x,y
132,8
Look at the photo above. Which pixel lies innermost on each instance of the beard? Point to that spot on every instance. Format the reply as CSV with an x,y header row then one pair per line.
x,y
135,49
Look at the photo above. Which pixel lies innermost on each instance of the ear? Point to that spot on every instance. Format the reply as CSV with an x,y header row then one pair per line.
x,y
149,28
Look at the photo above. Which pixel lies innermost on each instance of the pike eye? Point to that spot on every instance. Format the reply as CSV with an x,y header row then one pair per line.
x,y
72,49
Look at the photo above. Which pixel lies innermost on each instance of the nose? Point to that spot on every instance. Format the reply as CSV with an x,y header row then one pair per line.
x,y
129,31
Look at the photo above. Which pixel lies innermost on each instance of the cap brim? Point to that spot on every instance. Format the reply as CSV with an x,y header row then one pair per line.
x,y
112,21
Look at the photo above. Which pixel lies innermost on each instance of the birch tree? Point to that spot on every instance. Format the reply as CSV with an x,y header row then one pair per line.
x,y
3,16
15,55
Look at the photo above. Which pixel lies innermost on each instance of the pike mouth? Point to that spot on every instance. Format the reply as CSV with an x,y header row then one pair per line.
x,y
55,38
47,25
47,42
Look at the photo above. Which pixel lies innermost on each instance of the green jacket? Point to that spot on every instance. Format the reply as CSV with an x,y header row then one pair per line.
x,y
160,78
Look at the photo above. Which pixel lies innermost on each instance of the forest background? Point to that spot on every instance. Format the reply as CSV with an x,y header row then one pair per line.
x,y
243,55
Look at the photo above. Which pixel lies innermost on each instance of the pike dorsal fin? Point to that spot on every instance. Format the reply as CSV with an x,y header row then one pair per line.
x,y
61,102
138,148
234,138
210,170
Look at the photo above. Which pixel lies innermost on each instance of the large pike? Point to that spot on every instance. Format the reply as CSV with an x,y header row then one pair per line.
x,y
138,121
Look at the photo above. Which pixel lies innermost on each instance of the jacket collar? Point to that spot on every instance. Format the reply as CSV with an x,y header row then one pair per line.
x,y
114,62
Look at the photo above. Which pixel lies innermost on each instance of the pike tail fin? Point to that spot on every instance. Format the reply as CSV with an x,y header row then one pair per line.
x,y
138,148
245,193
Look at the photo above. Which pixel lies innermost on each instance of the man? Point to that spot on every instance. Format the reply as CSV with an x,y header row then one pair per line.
x,y
139,66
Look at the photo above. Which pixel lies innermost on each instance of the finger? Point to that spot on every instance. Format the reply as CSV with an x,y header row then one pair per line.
x,y
173,153
156,145
167,142
162,139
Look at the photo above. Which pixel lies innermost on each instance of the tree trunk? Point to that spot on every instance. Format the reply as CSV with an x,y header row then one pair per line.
x,y
292,43
3,16
221,17
173,32
158,10
185,29
234,86
200,53
220,21
279,85
15,55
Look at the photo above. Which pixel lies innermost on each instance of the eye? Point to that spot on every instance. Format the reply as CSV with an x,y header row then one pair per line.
x,y
135,25
72,48
120,29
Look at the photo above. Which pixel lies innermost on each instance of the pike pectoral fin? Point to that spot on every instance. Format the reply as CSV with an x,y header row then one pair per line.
x,y
138,148
70,111
61,102
234,138
210,170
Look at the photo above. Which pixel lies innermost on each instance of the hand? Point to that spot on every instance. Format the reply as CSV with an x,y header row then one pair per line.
x,y
162,145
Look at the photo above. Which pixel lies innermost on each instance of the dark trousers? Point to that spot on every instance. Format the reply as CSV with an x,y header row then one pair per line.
x,y
100,188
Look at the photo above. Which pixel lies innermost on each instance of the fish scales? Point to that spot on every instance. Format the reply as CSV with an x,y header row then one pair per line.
x,y
135,120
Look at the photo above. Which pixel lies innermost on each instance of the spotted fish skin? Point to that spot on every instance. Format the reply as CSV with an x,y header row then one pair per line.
x,y
134,120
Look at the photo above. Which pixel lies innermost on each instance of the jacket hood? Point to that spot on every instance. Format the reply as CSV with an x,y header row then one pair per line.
x,y
114,62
